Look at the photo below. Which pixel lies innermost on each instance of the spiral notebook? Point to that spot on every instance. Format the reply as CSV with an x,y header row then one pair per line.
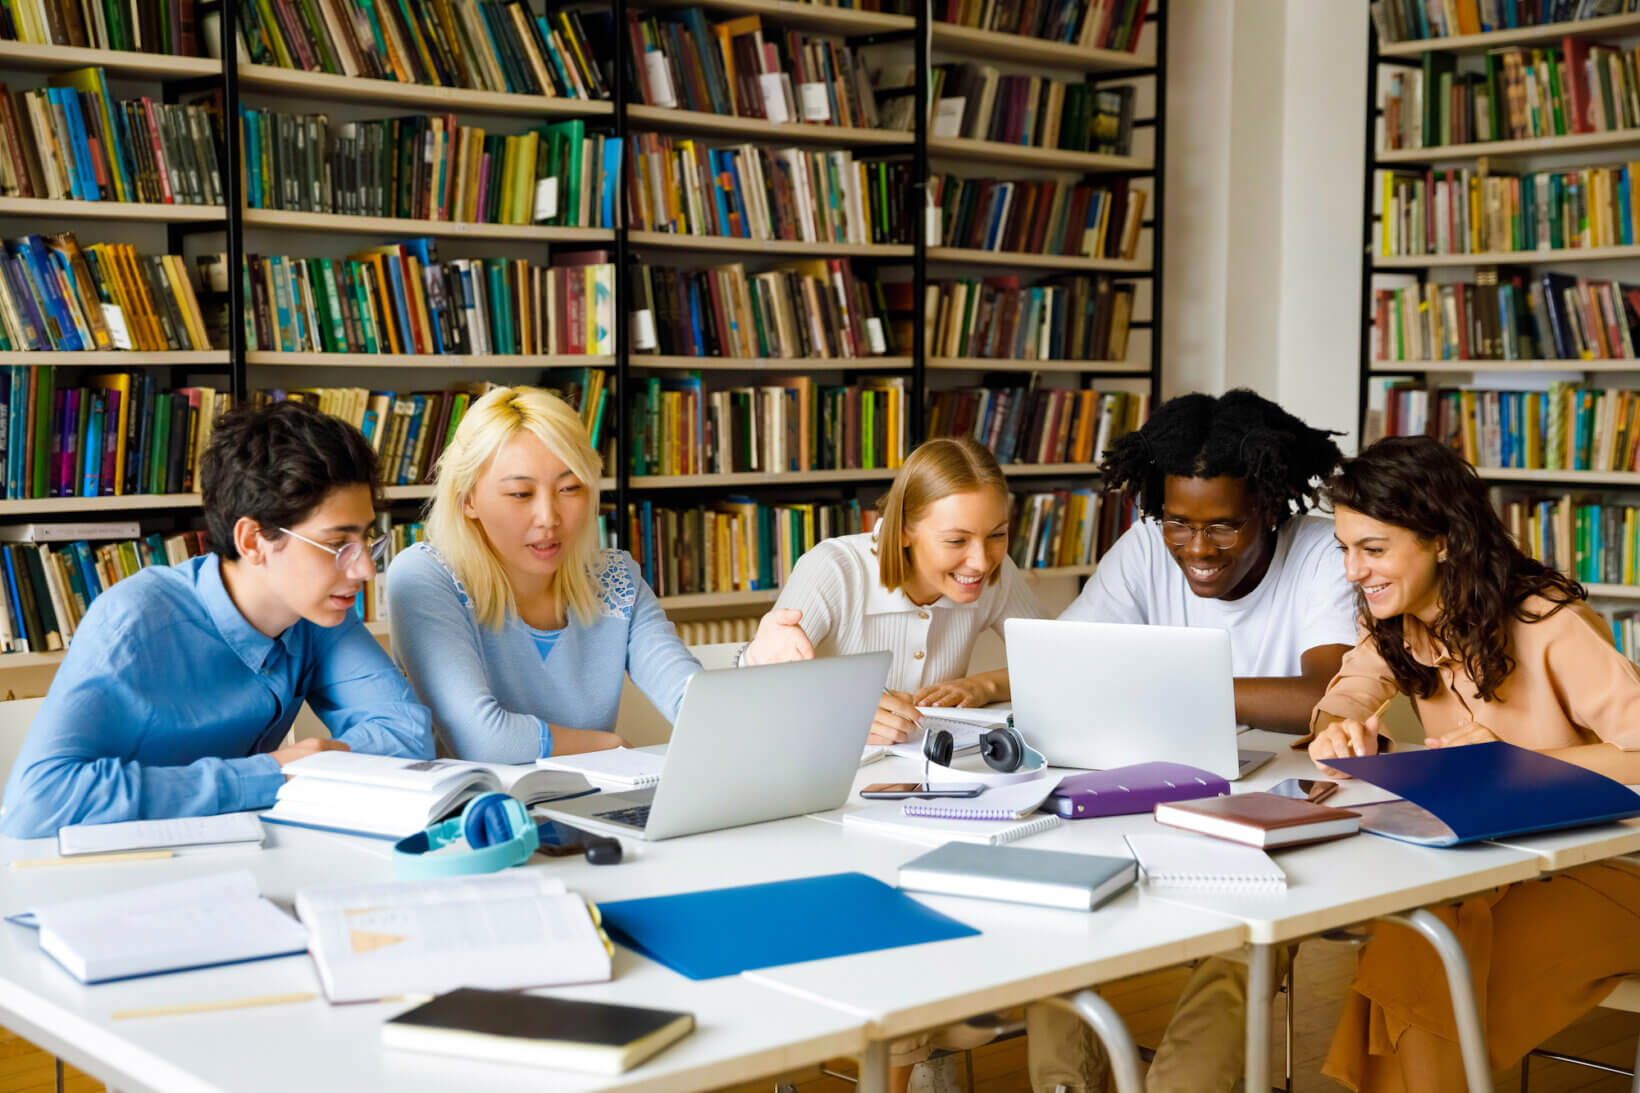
x,y
1198,861
620,766
1014,802
887,818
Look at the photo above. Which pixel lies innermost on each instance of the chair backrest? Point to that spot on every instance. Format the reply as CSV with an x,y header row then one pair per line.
x,y
15,718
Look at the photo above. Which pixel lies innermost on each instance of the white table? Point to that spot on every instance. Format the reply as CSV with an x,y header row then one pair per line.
x,y
744,1030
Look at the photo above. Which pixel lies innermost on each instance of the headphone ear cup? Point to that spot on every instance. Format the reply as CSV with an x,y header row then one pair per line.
x,y
938,746
1002,749
491,819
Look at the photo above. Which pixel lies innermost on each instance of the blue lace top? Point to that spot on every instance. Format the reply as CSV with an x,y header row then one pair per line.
x,y
495,693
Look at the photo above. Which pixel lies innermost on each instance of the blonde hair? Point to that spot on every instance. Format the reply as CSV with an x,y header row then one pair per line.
x,y
935,470
488,424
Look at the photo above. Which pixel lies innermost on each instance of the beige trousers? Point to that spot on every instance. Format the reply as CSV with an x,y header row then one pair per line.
x,y
1203,1050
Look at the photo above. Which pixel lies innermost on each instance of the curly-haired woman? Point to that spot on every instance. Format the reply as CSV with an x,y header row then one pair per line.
x,y
1490,645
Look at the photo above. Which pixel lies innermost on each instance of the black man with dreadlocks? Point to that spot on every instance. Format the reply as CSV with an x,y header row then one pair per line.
x,y
1224,485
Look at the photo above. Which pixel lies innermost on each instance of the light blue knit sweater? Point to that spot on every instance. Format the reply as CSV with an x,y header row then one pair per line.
x,y
492,693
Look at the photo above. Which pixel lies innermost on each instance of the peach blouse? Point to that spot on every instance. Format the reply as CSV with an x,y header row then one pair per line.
x,y
1570,685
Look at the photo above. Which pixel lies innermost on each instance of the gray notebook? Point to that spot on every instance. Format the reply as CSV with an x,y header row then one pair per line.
x,y
1017,874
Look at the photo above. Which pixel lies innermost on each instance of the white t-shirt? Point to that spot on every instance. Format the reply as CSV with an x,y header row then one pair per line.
x,y
1302,602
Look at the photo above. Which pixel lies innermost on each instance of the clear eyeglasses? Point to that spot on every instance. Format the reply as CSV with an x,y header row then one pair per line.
x,y
1222,536
347,553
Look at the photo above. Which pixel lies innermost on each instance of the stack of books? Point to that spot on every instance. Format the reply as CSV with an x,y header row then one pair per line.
x,y
1067,527
1038,425
171,28
978,102
735,545
1091,24
1464,210
1069,318
1073,219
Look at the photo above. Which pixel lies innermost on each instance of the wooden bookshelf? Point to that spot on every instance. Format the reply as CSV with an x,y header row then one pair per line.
x,y
694,601
1511,149
755,478
812,16
1508,257
696,121
1054,470
1020,49
1009,364
424,491
323,87
649,361
121,358
54,506
1434,367
1599,591
46,208
120,62
732,245
1586,478
427,360
1074,262
1024,155
1543,34
279,219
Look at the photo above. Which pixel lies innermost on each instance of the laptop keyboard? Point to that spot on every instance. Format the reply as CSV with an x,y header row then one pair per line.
x,y
636,816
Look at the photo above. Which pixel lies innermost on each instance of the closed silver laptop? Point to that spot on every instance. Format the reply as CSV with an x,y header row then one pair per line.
x,y
1100,695
749,745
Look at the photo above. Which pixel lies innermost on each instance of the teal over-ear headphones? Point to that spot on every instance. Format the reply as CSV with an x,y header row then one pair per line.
x,y
497,827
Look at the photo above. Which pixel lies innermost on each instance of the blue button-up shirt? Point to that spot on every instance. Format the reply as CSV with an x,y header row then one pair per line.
x,y
169,701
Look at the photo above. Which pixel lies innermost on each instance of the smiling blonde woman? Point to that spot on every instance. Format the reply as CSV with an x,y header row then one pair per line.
x,y
513,626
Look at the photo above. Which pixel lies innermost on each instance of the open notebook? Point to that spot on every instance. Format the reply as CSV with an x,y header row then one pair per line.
x,y
1198,861
630,767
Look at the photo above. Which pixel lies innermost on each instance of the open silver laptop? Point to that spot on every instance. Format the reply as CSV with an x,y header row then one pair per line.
x,y
1101,695
749,745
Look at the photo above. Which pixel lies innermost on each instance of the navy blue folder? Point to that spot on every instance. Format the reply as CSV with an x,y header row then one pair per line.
x,y
1483,791
725,931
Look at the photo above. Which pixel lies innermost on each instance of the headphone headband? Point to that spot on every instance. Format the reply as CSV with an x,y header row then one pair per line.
x,y
496,827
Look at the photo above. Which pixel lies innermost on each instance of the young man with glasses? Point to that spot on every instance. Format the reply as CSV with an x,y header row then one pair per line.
x,y
1224,485
182,681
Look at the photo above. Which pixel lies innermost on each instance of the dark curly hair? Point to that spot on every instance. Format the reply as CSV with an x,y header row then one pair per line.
x,y
1418,483
1239,434
276,464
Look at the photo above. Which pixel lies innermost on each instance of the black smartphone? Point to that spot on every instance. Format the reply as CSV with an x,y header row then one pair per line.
x,y
1314,790
892,791
559,840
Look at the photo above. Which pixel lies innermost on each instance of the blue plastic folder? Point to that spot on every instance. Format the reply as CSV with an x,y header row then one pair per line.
x,y
725,931
1483,791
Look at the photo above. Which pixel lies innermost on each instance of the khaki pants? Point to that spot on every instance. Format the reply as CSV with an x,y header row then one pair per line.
x,y
1203,1051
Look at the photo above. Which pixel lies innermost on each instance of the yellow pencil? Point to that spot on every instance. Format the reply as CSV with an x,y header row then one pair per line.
x,y
92,859
217,1004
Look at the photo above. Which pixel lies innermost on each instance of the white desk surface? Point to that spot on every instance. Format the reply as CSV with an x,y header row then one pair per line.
x,y
744,1030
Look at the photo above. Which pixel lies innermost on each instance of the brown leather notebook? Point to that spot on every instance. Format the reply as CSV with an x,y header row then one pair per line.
x,y
1260,819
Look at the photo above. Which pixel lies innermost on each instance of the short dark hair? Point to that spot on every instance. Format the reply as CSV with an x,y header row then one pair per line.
x,y
276,464
1238,434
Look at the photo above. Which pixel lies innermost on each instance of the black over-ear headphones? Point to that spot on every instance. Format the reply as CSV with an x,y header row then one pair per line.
x,y
1003,749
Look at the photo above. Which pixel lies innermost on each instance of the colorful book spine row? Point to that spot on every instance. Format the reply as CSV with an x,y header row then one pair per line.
x,y
119,434
74,141
736,545
408,431
430,167
1091,24
1591,543
750,192
1415,20
1033,425
56,296
47,591
731,68
1522,94
1071,318
679,427
142,25
977,102
400,298
1505,316
1072,219
480,45
1066,527
1566,428
802,309
1465,211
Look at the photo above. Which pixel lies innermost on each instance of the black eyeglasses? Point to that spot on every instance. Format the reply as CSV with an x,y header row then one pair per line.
x,y
1224,536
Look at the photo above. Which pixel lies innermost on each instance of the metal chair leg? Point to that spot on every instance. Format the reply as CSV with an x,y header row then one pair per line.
x,y
968,1067
1471,1034
1292,978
